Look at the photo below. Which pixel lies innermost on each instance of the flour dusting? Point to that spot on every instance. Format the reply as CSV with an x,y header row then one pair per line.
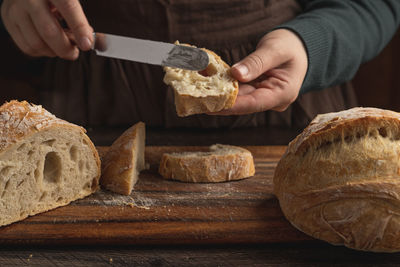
x,y
107,198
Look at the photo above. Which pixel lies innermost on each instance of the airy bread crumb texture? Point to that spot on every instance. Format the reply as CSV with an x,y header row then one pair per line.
x,y
45,162
222,163
209,90
339,180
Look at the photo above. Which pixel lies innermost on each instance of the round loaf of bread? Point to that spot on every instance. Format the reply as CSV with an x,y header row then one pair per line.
x,y
45,162
339,180
209,90
222,163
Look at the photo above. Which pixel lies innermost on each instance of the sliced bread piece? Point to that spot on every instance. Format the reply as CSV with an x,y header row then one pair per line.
x,y
209,90
124,160
45,162
222,163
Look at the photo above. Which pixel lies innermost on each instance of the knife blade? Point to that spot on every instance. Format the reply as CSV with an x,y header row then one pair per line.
x,y
151,52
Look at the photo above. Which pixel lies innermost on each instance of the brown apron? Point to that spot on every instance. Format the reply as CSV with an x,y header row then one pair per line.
x,y
95,91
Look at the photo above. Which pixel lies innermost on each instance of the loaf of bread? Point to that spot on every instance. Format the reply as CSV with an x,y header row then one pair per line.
x,y
124,160
222,163
209,90
45,162
339,180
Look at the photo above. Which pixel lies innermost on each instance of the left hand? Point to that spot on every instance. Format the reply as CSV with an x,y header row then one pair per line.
x,y
271,77
36,30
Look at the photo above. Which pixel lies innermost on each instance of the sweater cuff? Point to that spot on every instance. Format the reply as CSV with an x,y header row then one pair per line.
x,y
314,38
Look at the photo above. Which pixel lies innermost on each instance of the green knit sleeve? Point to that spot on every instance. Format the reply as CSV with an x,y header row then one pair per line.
x,y
340,35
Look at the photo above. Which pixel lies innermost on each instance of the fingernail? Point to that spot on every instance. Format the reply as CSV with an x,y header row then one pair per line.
x,y
85,43
242,69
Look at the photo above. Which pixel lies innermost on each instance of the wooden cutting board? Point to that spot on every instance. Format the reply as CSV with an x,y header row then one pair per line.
x,y
169,212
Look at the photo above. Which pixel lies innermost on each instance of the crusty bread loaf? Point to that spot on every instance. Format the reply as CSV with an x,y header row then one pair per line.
x,y
222,163
339,180
210,90
124,160
45,162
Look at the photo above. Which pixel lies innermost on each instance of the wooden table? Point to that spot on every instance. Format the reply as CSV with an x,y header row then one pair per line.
x,y
168,223
160,211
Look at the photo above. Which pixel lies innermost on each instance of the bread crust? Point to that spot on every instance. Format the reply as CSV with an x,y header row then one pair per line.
x,y
20,121
124,160
223,163
339,180
188,104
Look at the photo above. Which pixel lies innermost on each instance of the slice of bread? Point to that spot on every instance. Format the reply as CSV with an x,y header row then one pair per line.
x,y
124,160
222,163
209,90
45,162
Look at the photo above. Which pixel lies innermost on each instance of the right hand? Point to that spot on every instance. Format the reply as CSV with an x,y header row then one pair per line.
x,y
35,29
271,77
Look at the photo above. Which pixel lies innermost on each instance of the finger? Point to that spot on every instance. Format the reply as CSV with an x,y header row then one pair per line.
x,y
33,39
266,57
19,39
72,12
257,101
275,83
51,32
245,89
9,16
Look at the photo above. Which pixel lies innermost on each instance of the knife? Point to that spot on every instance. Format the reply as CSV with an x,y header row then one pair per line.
x,y
151,52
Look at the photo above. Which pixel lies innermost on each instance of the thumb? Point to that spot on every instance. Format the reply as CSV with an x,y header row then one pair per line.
x,y
267,56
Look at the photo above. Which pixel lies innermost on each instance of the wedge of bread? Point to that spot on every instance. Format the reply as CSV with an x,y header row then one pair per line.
x,y
45,162
222,163
209,90
124,160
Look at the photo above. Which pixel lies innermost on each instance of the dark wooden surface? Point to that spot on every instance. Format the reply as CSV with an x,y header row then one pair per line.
x,y
196,256
167,223
169,212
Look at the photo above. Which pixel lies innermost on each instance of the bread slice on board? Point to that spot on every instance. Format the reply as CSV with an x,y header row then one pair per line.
x,y
222,163
124,160
210,90
45,162
339,180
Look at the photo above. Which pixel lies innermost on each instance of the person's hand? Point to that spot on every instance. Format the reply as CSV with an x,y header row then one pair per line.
x,y
271,77
35,28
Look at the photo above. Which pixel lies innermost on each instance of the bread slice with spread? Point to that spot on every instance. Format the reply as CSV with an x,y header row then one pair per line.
x,y
206,91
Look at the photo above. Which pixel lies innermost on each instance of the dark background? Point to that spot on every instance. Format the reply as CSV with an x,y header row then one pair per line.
x,y
377,82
